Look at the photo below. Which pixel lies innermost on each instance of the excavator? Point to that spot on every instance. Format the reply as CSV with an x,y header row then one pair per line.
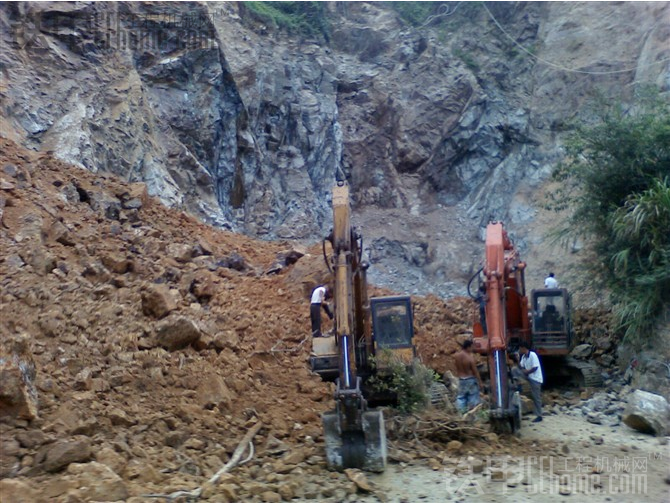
x,y
364,330
507,322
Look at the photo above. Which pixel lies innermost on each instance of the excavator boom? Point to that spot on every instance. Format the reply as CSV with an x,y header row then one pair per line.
x,y
506,314
355,436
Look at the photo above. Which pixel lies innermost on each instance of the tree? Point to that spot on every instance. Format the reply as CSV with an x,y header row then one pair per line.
x,y
615,185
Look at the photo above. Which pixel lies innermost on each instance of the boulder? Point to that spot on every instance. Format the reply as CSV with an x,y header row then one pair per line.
x,y
648,413
203,286
109,457
63,452
135,197
294,457
118,417
203,247
24,225
270,497
176,332
98,482
157,301
286,258
101,202
39,258
18,395
582,351
213,392
359,478
143,472
9,465
57,232
31,439
526,405
180,252
17,491
454,446
234,261
117,263
10,170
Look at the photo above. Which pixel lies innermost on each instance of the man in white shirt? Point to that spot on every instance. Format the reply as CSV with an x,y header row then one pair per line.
x,y
530,369
550,281
319,296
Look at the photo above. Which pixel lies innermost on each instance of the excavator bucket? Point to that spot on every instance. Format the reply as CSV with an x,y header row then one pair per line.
x,y
364,448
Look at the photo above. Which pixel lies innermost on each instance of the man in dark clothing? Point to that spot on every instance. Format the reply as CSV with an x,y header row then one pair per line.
x,y
319,297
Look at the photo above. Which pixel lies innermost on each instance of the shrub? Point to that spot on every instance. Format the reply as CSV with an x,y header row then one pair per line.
x,y
410,383
297,18
615,185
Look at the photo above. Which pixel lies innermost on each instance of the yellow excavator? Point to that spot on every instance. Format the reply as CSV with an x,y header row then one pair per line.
x,y
364,330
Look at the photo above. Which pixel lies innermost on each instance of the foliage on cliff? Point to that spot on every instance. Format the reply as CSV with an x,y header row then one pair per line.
x,y
415,13
616,183
297,18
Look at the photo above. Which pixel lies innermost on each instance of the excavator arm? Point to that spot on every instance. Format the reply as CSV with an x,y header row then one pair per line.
x,y
355,435
507,323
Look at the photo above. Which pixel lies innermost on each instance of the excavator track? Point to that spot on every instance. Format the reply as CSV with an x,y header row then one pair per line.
x,y
588,373
439,396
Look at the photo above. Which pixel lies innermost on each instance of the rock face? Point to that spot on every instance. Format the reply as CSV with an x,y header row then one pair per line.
x,y
438,128
648,413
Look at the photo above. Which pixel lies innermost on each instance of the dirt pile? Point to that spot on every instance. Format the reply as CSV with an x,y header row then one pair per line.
x,y
158,342
152,335
441,326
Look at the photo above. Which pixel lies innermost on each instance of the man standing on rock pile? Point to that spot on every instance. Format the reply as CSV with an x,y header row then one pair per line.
x,y
530,370
319,296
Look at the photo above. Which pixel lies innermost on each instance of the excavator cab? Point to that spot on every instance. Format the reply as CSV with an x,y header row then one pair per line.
x,y
551,321
553,339
393,327
392,336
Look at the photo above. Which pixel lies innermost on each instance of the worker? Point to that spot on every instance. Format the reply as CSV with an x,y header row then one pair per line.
x,y
529,369
319,296
550,281
469,382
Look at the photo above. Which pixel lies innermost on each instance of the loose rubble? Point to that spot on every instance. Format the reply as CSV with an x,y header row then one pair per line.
x,y
146,344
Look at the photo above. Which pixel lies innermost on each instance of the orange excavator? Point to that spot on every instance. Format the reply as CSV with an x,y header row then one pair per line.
x,y
506,321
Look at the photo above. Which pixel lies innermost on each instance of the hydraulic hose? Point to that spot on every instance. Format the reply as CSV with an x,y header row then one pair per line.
x,y
475,275
325,257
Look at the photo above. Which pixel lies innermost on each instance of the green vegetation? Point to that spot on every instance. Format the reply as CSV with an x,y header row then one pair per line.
x,y
616,185
411,383
297,18
415,13
466,58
